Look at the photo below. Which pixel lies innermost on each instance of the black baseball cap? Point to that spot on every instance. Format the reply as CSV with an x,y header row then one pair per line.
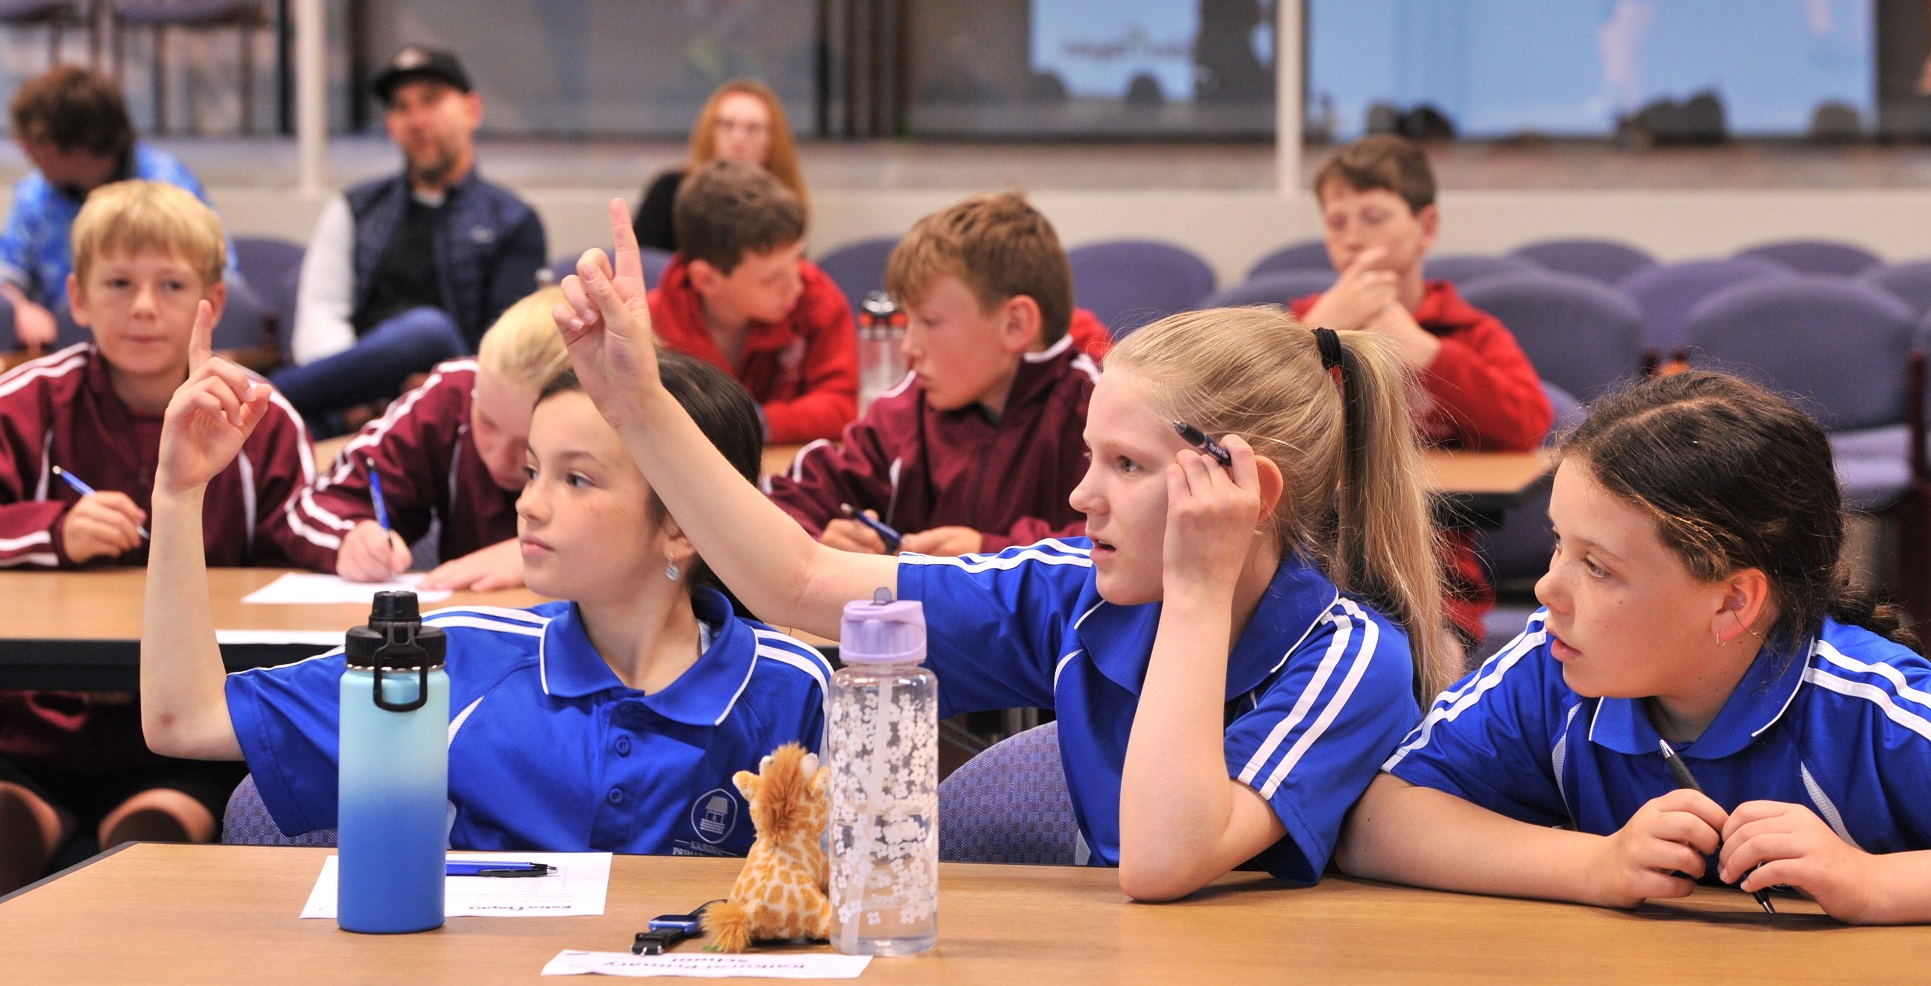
x,y
418,62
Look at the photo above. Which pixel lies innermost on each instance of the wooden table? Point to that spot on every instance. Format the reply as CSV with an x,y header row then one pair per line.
x,y
227,914
82,630
1479,487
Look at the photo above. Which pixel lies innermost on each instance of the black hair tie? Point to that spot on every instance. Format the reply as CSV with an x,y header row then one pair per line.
x,y
1330,346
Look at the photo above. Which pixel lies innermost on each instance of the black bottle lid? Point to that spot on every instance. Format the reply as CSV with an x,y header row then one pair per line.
x,y
394,637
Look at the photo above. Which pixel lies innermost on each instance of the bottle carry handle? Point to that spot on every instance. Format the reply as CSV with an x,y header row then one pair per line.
x,y
402,639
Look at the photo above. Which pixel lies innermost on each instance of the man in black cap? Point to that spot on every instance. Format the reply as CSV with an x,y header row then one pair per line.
x,y
407,271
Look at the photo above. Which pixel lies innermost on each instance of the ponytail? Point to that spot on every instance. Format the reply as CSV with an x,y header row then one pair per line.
x,y
1386,547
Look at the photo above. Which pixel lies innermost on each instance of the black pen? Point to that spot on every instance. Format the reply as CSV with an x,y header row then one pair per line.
x,y
879,527
1205,443
1684,779
489,868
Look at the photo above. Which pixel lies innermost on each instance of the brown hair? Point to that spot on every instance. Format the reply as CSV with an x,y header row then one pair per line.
x,y
1734,477
524,345
724,412
727,209
1352,497
1000,246
73,109
1383,161
781,160
131,216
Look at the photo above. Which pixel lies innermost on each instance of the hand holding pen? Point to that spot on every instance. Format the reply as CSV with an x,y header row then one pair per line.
x,y
99,525
372,551
888,537
1687,781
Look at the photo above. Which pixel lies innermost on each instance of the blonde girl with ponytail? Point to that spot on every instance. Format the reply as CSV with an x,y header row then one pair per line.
x,y
1229,654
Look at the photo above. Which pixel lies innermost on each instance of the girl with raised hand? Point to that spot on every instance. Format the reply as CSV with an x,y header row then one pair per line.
x,y
611,721
1697,597
1227,653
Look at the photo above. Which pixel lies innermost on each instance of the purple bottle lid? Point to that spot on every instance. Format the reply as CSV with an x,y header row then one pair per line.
x,y
881,631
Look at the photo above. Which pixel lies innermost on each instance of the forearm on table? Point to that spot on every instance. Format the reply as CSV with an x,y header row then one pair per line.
x,y
1403,833
184,702
1183,821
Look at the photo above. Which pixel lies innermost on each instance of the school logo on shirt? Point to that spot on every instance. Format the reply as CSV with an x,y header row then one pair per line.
x,y
714,815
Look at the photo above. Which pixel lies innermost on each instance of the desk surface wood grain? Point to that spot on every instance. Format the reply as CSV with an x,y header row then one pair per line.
x,y
220,914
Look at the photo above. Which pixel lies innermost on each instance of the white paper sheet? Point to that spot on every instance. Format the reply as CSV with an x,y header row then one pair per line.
x,y
576,884
313,587
313,638
709,965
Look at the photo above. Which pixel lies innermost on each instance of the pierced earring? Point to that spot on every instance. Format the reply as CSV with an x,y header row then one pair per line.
x,y
672,572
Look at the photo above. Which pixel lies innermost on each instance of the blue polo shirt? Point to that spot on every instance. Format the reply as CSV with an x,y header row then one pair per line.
x,y
548,749
1843,728
1319,687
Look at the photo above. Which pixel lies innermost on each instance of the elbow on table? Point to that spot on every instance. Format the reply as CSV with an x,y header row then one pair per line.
x,y
1159,881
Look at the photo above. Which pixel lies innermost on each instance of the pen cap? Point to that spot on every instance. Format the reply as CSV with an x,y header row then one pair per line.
x,y
882,631
394,637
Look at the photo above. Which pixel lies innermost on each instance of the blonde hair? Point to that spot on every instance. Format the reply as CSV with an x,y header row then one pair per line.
x,y
130,216
524,345
1000,247
782,157
1352,502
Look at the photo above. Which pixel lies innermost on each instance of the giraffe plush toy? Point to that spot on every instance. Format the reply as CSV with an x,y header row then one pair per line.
x,y
781,892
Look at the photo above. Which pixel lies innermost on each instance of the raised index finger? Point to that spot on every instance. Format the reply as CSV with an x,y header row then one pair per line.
x,y
201,346
623,239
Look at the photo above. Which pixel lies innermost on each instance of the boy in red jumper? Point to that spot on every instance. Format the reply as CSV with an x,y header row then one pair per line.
x,y
979,447
1378,204
739,296
451,450
148,259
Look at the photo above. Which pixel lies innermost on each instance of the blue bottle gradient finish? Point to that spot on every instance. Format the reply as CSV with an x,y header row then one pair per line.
x,y
394,781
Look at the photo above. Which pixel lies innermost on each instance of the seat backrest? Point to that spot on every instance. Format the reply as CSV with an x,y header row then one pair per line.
x,y
247,822
1582,335
1010,804
1666,293
1129,283
273,267
1909,282
1605,260
859,268
1463,268
1816,256
1277,288
1841,345
1305,255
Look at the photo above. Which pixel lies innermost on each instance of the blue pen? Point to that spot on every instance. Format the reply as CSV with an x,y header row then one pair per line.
x,y
489,868
85,490
375,493
880,528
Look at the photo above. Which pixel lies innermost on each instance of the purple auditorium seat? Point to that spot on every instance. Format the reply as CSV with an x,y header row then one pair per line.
x,y
1463,268
1129,283
1605,260
1909,282
859,268
1277,288
1582,335
247,822
1305,255
1666,293
1010,804
654,261
273,268
1841,346
1816,256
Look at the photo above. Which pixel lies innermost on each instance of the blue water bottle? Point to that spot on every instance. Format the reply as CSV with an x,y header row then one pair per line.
x,y
394,784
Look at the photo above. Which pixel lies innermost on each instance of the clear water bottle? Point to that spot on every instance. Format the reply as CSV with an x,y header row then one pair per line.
x,y
394,783
883,737
881,331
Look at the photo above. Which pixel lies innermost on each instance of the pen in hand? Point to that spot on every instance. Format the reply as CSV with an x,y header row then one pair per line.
x,y
375,495
884,532
1205,443
85,490
1684,779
